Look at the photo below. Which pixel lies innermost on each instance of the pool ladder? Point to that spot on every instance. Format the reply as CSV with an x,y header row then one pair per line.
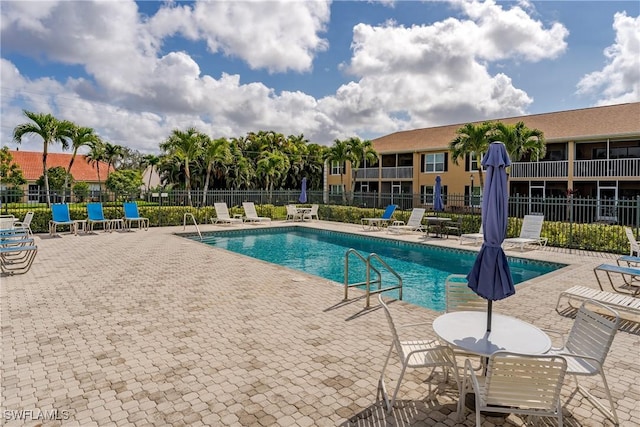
x,y
368,282
184,222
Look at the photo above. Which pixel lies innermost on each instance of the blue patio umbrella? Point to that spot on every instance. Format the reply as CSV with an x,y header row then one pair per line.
x,y
438,206
303,193
490,276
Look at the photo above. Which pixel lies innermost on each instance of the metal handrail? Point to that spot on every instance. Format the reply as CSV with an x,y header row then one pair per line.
x,y
368,282
380,288
184,223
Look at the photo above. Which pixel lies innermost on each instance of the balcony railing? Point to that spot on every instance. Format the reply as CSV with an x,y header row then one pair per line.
x,y
401,172
599,168
367,173
550,169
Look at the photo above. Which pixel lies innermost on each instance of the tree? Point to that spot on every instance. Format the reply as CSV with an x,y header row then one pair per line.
x,y
112,154
58,178
339,152
81,191
519,140
150,160
472,139
270,167
186,145
10,173
51,130
215,154
79,137
360,152
124,182
95,156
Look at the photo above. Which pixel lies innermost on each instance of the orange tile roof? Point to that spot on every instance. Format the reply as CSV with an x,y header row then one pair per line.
x,y
613,121
31,164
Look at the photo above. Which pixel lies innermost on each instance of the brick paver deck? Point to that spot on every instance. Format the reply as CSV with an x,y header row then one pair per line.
x,y
148,328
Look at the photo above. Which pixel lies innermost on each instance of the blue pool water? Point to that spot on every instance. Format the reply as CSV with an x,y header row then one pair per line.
x,y
423,268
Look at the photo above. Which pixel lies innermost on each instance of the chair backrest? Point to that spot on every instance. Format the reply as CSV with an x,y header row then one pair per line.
x,y
524,381
249,209
314,210
222,211
633,243
28,217
459,296
95,212
131,210
592,333
392,326
6,223
60,212
531,226
388,212
416,217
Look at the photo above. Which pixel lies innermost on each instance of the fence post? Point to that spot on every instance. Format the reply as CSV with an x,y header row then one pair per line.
x,y
637,214
570,223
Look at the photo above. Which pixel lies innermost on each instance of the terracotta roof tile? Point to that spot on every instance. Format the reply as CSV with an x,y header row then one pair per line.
x,y
31,164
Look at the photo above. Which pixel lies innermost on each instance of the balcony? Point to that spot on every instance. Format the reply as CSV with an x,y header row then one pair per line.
x,y
550,169
609,168
402,172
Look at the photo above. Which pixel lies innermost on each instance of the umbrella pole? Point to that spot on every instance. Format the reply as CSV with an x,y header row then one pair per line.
x,y
489,315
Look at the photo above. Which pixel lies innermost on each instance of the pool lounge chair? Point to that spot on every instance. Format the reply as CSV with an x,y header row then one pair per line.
x,y
414,223
17,251
223,216
634,247
131,215
95,215
61,216
623,304
378,223
630,277
473,237
529,233
250,214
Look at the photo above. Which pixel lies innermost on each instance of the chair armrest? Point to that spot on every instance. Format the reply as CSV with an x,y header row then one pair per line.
x,y
411,325
471,373
397,222
556,334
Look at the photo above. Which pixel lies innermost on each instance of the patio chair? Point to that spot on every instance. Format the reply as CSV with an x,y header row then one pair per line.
x,y
515,383
414,354
312,214
132,215
7,222
473,237
634,247
61,216
414,223
223,216
377,223
455,227
586,348
293,214
25,224
95,215
529,233
250,214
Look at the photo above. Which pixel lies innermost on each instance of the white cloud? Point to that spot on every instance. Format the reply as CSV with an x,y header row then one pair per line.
x,y
619,80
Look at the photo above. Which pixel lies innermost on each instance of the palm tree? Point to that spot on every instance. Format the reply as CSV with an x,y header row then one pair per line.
x,y
519,140
215,152
186,145
339,152
271,166
152,161
112,153
80,137
241,172
51,130
471,140
361,152
95,156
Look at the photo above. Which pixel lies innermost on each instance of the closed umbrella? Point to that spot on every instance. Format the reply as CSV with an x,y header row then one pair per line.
x,y
303,193
437,196
490,276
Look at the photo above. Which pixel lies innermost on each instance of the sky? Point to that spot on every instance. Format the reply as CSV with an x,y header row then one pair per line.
x,y
135,71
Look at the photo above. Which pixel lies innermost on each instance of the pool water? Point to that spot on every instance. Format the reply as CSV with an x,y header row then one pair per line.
x,y
423,268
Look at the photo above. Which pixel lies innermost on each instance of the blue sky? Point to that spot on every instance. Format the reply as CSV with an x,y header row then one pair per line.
x,y
135,71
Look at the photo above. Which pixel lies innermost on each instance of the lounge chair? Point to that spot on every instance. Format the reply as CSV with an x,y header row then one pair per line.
x,y
250,214
634,247
61,216
17,251
95,215
414,223
521,384
293,214
473,237
586,348
131,215
529,233
25,224
631,261
378,223
427,353
630,277
7,222
624,304
223,216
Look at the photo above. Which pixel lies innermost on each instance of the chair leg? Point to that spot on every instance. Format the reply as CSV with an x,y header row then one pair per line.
x,y
609,413
381,387
395,392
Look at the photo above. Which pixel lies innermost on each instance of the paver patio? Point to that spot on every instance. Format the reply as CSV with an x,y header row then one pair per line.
x,y
148,328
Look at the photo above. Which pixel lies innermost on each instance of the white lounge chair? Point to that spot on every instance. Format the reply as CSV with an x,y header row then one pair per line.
x,y
522,384
414,223
473,237
529,233
624,304
223,216
634,247
250,214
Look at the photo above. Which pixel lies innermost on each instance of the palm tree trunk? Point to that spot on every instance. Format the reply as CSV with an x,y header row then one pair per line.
x,y
66,178
206,184
44,173
187,173
99,182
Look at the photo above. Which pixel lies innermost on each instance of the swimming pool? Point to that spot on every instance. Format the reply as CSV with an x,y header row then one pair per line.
x,y
423,268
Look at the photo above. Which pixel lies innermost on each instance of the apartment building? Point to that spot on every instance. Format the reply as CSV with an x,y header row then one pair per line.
x,y
591,152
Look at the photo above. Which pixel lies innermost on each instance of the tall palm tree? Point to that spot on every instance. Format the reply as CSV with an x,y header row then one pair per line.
x,y
215,153
361,152
95,156
150,160
519,140
271,166
79,137
112,153
186,145
472,139
339,152
51,130
241,172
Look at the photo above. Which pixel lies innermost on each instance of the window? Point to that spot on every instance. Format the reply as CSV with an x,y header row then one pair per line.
x,y
426,194
475,165
335,189
336,168
434,162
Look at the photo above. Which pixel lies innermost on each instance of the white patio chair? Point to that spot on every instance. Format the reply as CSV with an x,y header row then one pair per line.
x,y
586,349
634,247
414,354
25,224
414,223
223,216
516,384
529,233
473,237
293,214
312,214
